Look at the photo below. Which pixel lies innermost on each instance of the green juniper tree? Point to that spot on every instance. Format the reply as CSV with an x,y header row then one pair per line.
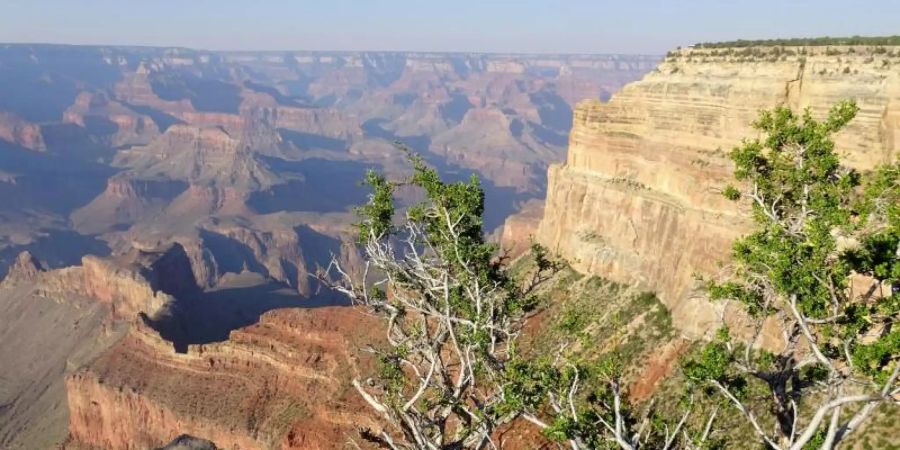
x,y
819,225
451,309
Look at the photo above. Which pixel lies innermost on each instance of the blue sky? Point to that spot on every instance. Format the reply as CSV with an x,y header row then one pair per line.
x,y
599,26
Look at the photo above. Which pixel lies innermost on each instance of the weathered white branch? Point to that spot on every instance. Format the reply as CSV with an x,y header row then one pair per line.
x,y
820,414
748,414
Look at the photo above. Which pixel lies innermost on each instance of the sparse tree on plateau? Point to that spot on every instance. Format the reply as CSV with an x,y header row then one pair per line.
x,y
452,314
818,225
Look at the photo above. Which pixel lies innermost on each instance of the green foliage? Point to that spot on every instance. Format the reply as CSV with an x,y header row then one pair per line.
x,y
817,224
817,441
527,384
879,209
452,308
605,332
802,195
390,372
531,383
873,359
378,213
731,193
711,363
795,42
541,258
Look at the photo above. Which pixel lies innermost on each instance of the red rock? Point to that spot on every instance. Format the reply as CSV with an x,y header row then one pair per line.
x,y
24,134
282,383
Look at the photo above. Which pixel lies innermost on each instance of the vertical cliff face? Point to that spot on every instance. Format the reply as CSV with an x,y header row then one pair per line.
x,y
138,282
639,196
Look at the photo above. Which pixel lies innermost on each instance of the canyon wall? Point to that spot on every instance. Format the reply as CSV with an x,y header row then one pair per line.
x,y
639,197
54,321
281,383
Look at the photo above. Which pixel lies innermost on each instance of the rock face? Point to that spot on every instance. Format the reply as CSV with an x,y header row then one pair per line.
x,y
146,283
282,383
20,132
638,198
54,321
520,229
25,268
115,122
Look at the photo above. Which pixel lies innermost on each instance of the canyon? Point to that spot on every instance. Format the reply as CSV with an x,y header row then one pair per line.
x,y
165,209
142,147
198,191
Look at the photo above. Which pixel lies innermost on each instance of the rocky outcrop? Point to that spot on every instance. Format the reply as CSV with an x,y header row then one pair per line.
x,y
24,269
140,282
125,201
46,332
638,198
101,116
124,288
54,321
282,383
276,254
20,132
520,229
201,156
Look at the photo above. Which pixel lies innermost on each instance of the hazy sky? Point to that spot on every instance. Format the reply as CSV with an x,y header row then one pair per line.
x,y
598,26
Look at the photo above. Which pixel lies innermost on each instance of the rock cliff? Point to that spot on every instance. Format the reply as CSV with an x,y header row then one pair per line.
x,y
103,117
54,321
139,282
638,198
281,383
24,269
20,132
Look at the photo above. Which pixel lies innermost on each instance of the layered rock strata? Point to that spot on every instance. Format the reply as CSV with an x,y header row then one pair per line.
x,y
54,321
281,383
639,196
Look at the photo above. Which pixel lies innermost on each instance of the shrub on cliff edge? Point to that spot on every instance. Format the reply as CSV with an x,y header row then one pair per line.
x,y
819,224
452,314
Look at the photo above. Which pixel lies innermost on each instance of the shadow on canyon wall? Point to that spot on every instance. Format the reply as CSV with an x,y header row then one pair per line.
x,y
244,293
322,186
212,315
36,81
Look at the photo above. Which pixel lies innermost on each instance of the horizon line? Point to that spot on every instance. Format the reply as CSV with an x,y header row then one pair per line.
x,y
201,49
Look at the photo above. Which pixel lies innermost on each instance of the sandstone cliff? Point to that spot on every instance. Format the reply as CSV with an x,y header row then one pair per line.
x,y
638,198
520,229
25,268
